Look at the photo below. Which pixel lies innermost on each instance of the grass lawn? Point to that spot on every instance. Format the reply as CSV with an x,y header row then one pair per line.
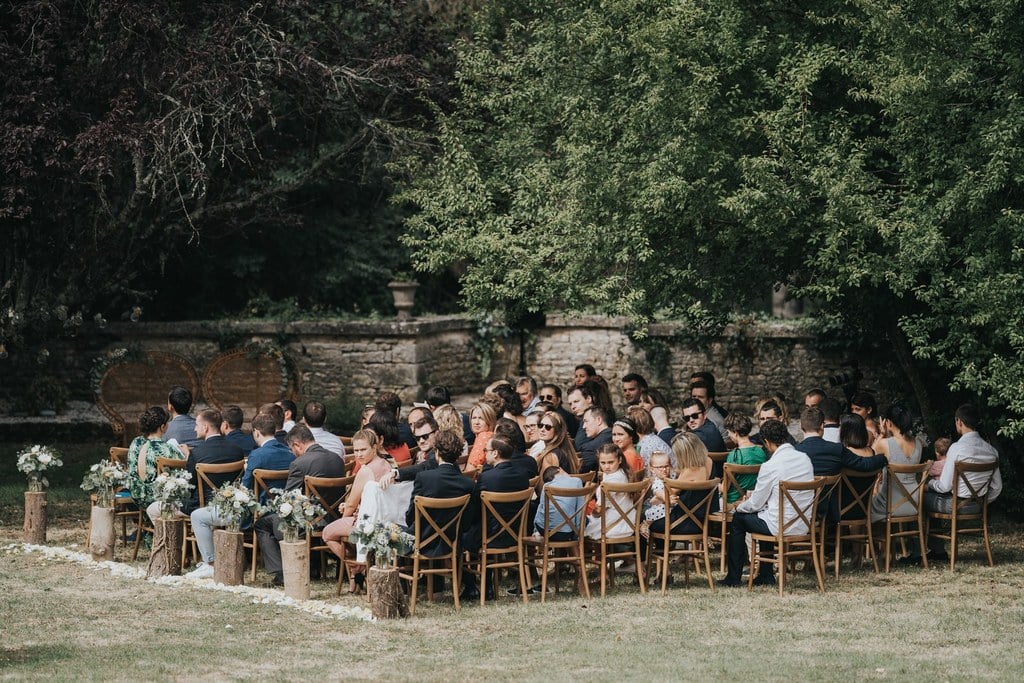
x,y
63,620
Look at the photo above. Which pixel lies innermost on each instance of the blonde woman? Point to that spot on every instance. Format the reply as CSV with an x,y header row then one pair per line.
x,y
481,422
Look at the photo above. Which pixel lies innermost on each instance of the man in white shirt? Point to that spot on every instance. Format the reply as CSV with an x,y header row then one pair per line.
x,y
970,447
290,413
314,414
758,512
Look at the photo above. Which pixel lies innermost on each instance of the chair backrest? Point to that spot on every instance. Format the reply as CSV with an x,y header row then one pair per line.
x,y
472,472
119,456
718,457
854,493
350,464
264,480
164,464
211,476
804,507
535,482
570,523
346,441
695,512
463,459
730,472
329,492
585,477
978,489
509,519
901,492
431,531
613,511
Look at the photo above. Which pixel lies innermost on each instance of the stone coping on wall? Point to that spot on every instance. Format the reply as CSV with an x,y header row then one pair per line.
x,y
776,329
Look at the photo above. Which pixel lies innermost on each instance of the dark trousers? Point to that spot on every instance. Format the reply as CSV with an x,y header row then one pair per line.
x,y
743,523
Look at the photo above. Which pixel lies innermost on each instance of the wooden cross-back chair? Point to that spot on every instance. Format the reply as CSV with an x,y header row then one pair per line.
x,y
569,551
854,523
723,516
631,515
970,508
802,498
506,539
262,482
209,477
585,477
435,542
896,525
685,536
329,493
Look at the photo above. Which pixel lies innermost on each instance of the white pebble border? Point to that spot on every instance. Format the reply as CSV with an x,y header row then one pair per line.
x,y
260,596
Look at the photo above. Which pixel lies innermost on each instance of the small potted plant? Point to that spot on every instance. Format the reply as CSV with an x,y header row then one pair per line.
x,y
233,504
33,462
103,479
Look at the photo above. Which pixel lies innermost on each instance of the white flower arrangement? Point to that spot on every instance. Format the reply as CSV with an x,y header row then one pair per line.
x,y
233,503
171,489
104,478
384,539
294,511
36,460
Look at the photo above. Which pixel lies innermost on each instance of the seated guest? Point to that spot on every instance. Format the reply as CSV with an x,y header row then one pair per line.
x,y
213,449
550,393
526,389
863,403
582,373
632,385
389,402
759,512
614,470
143,452
510,407
941,447
501,476
182,427
900,447
654,403
694,465
648,441
831,410
425,431
829,458
853,434
519,460
481,421
444,481
375,465
311,459
695,421
598,433
767,409
386,426
596,390
291,413
705,393
558,478
277,412
745,453
578,404
625,437
231,428
970,448
314,415
659,470
534,443
558,447
271,454
438,396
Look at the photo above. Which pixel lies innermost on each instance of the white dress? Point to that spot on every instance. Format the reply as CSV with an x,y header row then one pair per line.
x,y
617,526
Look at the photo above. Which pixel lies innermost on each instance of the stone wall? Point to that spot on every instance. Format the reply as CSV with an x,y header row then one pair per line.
x,y
361,358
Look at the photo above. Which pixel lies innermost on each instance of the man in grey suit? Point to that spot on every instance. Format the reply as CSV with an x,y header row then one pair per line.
x,y
311,459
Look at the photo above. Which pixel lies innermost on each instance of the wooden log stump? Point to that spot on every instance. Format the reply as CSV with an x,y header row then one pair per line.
x,y
229,554
295,563
35,517
168,535
384,590
102,535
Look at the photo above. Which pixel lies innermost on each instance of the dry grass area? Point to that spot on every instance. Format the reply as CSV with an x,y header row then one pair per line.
x,y
65,621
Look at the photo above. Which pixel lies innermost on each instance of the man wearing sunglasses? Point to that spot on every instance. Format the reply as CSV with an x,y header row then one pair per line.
x,y
695,419
425,433
552,393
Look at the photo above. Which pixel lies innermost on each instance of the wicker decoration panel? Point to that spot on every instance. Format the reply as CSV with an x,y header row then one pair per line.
x,y
130,386
247,377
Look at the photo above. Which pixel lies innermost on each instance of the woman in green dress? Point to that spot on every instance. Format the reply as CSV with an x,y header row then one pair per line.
x,y
143,452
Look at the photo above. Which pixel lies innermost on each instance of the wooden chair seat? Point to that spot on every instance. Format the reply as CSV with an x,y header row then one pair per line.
x,y
961,509
854,523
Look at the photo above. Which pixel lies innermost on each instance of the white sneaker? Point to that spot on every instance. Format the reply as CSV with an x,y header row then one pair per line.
x,y
202,571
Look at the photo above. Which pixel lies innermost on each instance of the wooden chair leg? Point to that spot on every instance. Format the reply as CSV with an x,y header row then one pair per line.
x,y
984,531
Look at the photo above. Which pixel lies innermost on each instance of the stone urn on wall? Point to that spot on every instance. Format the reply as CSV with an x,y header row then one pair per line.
x,y
404,292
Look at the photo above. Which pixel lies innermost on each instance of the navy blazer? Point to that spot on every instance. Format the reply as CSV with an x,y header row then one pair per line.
x,y
215,450
587,449
444,481
829,458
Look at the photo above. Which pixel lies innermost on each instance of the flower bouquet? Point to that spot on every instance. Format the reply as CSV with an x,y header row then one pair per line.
x,y
105,477
294,511
171,489
384,539
233,503
36,460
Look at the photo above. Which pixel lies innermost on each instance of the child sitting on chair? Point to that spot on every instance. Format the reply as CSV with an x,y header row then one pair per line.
x,y
941,448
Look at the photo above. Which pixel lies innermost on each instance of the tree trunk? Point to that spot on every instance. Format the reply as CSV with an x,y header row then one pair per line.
x,y
905,356
295,562
387,601
229,551
35,517
166,556
102,536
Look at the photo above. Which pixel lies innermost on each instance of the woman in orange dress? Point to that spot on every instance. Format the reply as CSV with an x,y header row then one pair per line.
x,y
481,423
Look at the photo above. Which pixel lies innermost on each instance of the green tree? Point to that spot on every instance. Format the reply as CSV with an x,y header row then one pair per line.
x,y
663,158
